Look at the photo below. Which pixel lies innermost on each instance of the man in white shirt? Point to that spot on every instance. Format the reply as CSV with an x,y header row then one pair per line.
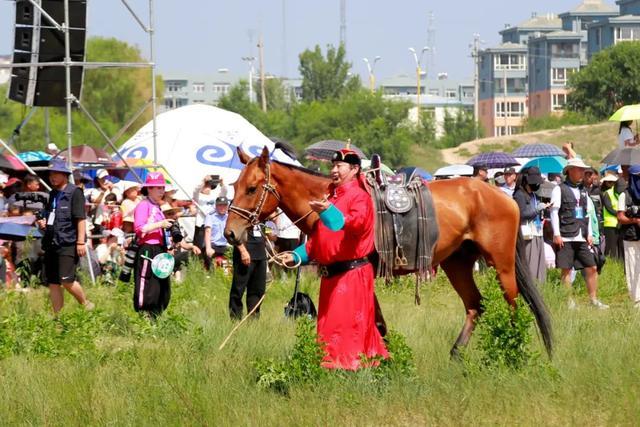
x,y
572,234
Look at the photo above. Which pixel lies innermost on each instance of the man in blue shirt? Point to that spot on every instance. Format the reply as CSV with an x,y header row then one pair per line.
x,y
215,243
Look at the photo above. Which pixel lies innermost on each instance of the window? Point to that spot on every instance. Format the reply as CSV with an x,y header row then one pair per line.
x,y
509,109
434,92
507,130
510,62
198,101
559,76
198,87
220,89
514,85
174,86
565,50
622,34
558,101
450,93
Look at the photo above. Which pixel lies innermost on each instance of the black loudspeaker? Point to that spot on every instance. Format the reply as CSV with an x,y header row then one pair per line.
x,y
38,41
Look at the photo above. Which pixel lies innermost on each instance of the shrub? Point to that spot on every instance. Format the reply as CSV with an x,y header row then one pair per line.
x,y
504,334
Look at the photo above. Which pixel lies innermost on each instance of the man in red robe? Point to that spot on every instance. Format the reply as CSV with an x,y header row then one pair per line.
x,y
341,242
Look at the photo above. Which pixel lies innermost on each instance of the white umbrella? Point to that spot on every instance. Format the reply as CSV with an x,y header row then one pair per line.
x,y
454,170
199,140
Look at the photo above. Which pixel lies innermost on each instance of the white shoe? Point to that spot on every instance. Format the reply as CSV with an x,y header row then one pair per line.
x,y
596,303
571,305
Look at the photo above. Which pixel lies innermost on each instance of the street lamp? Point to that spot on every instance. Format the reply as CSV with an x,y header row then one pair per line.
x,y
370,68
418,73
250,60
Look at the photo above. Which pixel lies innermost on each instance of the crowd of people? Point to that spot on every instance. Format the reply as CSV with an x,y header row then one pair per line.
x,y
574,220
568,221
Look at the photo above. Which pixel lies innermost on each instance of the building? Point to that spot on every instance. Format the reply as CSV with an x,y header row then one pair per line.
x,y
5,73
439,97
181,90
554,56
503,76
502,100
613,30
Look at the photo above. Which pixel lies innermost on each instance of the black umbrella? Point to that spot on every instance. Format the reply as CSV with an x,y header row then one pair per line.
x,y
624,156
493,159
324,150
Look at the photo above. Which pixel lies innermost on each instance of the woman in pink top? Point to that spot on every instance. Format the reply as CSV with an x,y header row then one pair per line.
x,y
151,294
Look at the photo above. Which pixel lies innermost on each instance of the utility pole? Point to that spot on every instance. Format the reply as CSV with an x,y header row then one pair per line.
x,y
504,97
343,23
418,75
284,39
262,89
475,49
371,68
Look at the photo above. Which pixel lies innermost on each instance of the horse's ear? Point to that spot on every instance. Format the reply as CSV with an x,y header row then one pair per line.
x,y
264,157
244,157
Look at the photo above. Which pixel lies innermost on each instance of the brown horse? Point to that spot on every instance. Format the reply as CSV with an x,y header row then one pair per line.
x,y
474,219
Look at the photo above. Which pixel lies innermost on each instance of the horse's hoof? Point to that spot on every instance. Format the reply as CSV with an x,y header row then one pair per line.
x,y
455,354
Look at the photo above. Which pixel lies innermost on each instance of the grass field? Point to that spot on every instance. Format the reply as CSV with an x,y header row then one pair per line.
x,y
110,367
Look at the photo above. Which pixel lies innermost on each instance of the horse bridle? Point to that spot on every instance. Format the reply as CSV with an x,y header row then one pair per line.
x,y
267,188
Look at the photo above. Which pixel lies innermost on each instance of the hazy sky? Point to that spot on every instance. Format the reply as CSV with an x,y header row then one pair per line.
x,y
198,36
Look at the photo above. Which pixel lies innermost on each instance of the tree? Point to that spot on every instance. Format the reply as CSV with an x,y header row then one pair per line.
x,y
111,96
611,80
459,128
326,78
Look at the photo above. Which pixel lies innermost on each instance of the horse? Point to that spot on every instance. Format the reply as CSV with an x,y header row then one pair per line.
x,y
474,219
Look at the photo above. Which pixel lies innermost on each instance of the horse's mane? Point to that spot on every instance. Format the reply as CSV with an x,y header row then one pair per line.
x,y
301,169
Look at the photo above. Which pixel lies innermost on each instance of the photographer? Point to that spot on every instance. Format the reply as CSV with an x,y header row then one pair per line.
x,y
531,209
629,219
205,195
30,197
151,293
64,237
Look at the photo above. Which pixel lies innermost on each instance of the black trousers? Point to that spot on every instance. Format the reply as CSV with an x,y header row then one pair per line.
x,y
198,240
613,243
253,278
150,294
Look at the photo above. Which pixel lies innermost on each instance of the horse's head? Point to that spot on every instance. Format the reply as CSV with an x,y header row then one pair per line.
x,y
255,197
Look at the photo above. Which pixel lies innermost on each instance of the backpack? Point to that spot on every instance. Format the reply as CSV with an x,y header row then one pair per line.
x,y
300,304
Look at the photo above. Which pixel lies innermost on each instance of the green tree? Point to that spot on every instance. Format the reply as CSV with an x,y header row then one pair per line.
x,y
112,96
611,80
275,92
458,128
326,77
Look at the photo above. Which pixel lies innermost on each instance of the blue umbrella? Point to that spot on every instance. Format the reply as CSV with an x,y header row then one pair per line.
x,y
538,150
410,171
547,164
17,232
493,159
34,156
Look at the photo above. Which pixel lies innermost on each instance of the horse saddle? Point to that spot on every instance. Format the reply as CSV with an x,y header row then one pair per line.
x,y
406,228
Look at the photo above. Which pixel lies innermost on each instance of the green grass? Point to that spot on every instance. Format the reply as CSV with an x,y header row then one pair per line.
x,y
125,371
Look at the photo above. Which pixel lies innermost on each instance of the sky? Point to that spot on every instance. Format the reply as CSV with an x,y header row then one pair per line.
x,y
201,36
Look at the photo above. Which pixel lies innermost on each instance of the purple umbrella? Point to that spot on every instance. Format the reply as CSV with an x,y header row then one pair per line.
x,y
493,159
538,150
323,150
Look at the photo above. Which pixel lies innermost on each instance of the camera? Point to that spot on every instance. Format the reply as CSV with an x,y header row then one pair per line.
x,y
28,199
213,182
175,233
633,211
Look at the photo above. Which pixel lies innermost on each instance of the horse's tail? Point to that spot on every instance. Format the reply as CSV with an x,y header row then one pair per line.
x,y
532,296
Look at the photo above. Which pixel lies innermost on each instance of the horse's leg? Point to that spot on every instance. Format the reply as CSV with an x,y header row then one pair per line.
x,y
502,257
459,269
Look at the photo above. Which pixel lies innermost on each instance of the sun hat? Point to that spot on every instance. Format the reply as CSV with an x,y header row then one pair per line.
x,y
102,173
167,209
155,179
508,171
128,185
58,165
609,178
575,163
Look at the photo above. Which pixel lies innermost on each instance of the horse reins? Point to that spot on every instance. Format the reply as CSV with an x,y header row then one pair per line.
x,y
267,188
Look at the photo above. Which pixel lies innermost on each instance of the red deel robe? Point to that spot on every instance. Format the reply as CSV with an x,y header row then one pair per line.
x,y
346,312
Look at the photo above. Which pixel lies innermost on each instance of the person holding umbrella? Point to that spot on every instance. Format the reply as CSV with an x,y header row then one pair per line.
x,y
626,138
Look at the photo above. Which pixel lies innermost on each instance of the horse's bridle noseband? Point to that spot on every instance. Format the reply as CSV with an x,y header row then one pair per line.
x,y
254,216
